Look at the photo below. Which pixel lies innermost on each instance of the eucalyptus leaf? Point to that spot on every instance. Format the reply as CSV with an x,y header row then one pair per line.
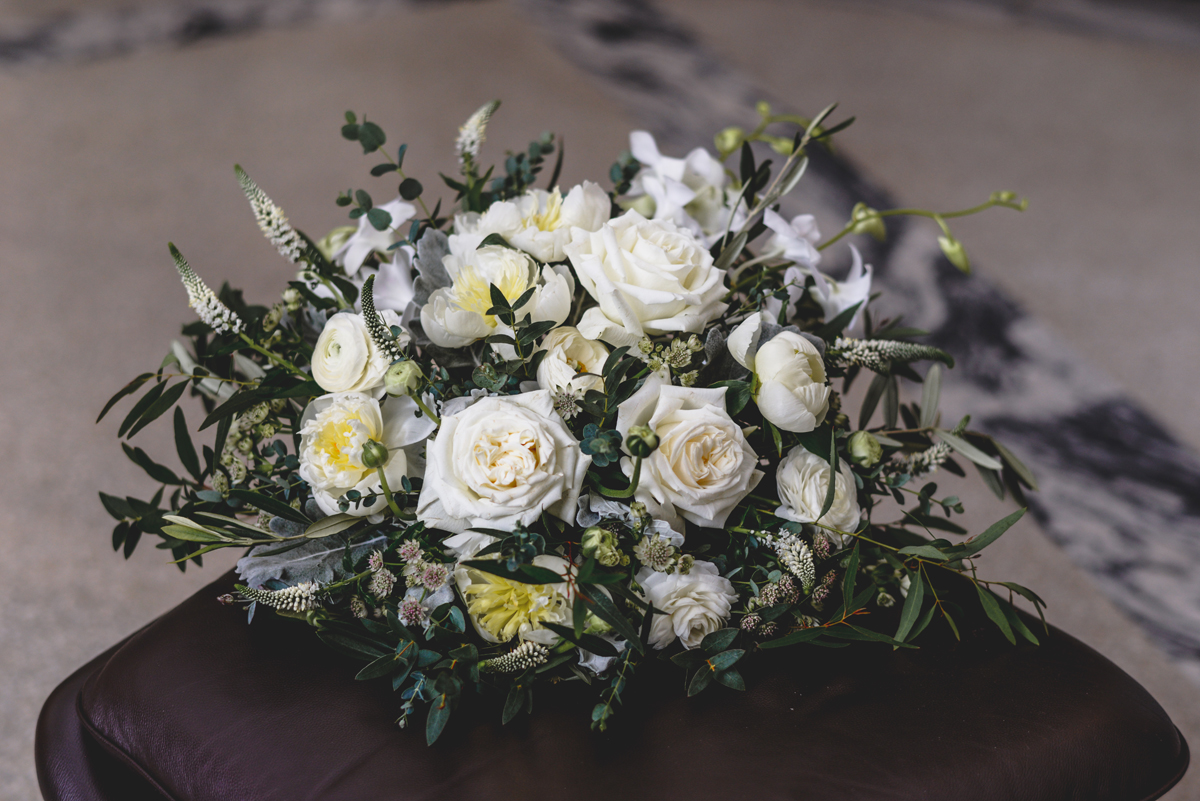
x,y
312,560
969,451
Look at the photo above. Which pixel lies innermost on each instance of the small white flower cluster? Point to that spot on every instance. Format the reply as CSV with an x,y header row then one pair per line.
x,y
524,656
878,354
795,555
299,598
271,219
470,135
206,303
926,461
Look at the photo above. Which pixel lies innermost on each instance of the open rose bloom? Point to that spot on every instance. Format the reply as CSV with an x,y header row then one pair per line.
x,y
511,432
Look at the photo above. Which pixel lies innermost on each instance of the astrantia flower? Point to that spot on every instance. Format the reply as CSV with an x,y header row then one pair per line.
x,y
410,551
501,609
434,575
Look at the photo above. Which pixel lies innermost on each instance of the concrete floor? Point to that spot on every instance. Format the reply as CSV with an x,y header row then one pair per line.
x,y
104,162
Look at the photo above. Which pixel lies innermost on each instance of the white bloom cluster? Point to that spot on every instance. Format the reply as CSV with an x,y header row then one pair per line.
x,y
470,135
301,597
208,306
271,219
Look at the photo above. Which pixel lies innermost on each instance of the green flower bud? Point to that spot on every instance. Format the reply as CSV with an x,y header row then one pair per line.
x,y
595,625
864,448
642,204
272,317
332,242
955,253
729,139
402,378
866,220
595,539
374,454
292,298
641,441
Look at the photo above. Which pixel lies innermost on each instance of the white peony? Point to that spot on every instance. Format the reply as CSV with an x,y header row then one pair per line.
x,y
568,353
501,462
456,316
538,222
501,609
333,430
703,466
346,359
696,603
803,481
648,276
791,390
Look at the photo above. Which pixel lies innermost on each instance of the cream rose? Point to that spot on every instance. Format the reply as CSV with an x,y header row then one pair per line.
x,y
703,466
538,222
455,316
499,463
791,391
803,481
696,603
567,353
346,359
649,277
334,429
501,609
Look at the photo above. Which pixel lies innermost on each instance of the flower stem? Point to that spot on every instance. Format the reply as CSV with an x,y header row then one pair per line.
x,y
437,421
387,492
284,363
633,483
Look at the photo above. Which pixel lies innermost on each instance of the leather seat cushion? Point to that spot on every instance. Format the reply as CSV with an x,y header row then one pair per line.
x,y
210,709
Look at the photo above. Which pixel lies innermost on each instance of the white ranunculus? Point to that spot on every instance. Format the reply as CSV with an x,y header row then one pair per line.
x,y
649,277
367,240
502,462
803,481
456,316
567,353
346,359
792,392
696,603
333,431
538,222
703,466
501,609
690,192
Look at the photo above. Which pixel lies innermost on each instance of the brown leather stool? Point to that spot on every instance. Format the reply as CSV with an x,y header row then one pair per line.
x,y
199,707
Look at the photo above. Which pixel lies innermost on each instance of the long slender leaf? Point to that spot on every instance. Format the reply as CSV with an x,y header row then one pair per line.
x,y
891,401
588,642
128,389
831,490
912,605
156,471
525,574
439,713
931,394
1018,467
851,575
268,504
328,526
140,407
968,450
871,399
165,401
991,534
184,446
991,605
1018,625
603,608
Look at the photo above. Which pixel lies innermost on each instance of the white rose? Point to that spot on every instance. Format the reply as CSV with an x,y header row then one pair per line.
x,y
500,463
346,359
456,316
791,391
567,353
803,481
333,430
703,466
501,609
696,603
649,277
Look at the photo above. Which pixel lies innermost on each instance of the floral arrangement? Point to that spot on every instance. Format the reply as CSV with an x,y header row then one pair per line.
x,y
551,435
